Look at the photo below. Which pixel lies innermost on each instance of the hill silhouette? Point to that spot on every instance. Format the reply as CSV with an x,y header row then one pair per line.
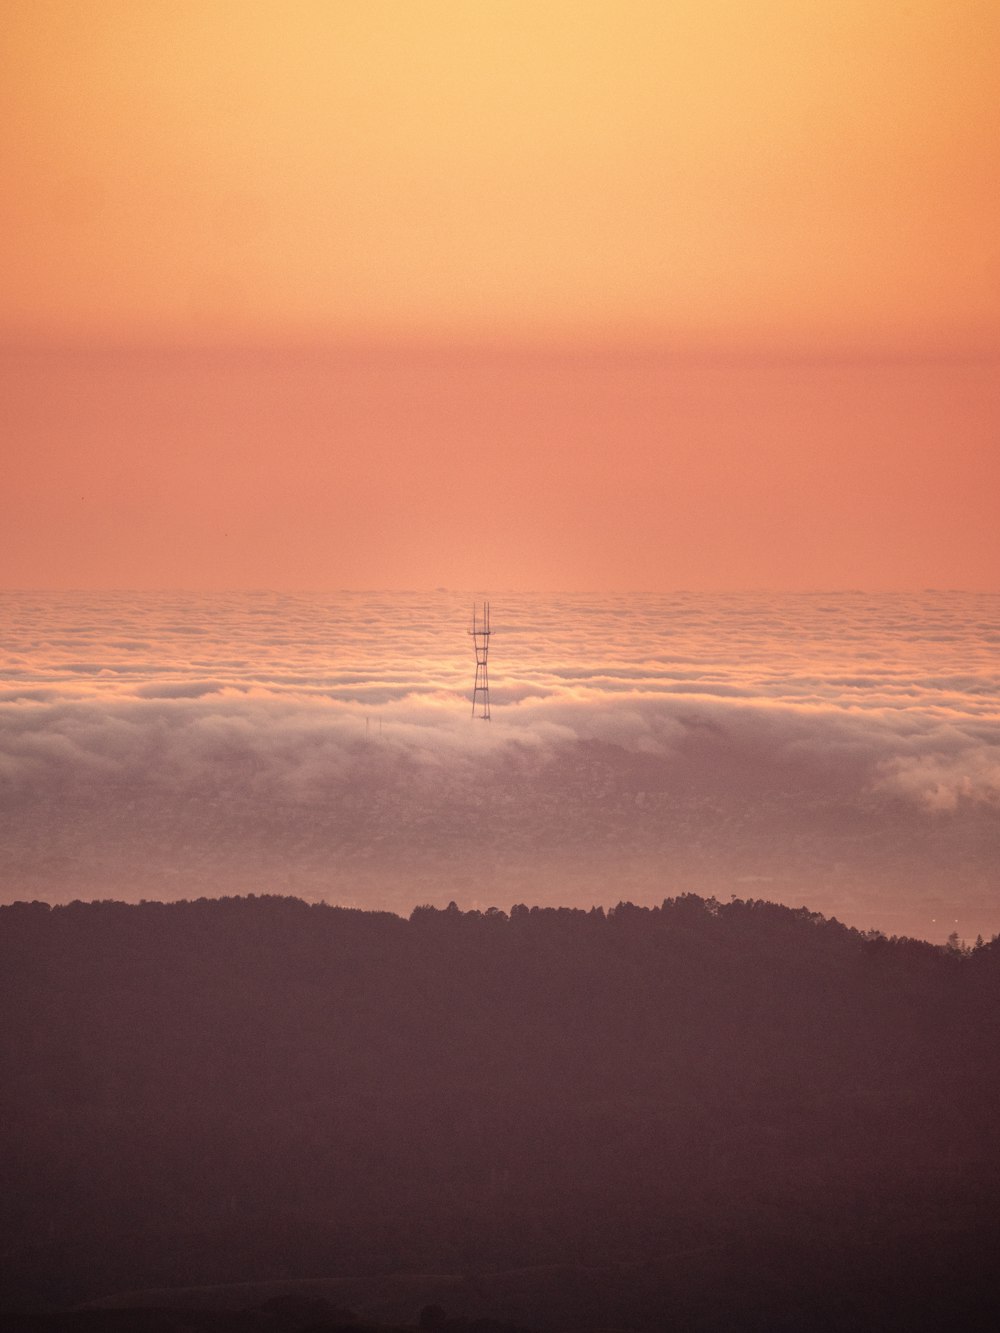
x,y
700,1116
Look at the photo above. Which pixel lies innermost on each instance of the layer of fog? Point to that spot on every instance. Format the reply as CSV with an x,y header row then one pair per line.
x,y
839,751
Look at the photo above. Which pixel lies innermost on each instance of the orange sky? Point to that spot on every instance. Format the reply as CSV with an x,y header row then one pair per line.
x,y
786,213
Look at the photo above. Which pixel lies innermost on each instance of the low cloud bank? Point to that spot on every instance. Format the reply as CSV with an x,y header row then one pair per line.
x,y
845,760
181,735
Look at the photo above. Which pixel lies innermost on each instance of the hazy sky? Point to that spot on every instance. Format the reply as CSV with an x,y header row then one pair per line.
x,y
680,293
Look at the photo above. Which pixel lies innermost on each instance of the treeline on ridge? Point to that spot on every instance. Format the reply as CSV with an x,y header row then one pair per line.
x,y
212,1091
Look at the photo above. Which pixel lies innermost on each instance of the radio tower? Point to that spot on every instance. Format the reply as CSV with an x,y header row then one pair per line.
x,y
481,639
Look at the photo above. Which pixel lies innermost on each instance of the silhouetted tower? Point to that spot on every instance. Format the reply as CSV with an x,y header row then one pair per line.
x,y
481,639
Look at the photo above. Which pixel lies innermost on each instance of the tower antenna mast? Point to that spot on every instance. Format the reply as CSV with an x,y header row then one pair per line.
x,y
480,633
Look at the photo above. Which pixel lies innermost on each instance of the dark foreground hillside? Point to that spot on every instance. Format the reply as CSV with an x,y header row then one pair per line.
x,y
692,1117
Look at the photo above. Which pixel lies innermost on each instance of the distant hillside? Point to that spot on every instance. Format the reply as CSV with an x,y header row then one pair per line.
x,y
708,1115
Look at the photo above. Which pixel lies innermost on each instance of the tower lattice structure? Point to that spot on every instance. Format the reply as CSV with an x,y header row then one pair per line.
x,y
480,633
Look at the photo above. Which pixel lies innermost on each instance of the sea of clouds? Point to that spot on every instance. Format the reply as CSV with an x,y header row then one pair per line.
x,y
838,750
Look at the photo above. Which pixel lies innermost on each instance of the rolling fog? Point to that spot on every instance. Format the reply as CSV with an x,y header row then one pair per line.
x,y
833,750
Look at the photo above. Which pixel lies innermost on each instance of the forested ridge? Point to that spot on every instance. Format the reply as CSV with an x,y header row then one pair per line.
x,y
700,1115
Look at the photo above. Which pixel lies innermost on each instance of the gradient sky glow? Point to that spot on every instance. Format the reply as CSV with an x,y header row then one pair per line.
x,y
583,295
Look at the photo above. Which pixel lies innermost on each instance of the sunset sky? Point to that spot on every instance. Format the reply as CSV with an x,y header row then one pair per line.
x,y
584,295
